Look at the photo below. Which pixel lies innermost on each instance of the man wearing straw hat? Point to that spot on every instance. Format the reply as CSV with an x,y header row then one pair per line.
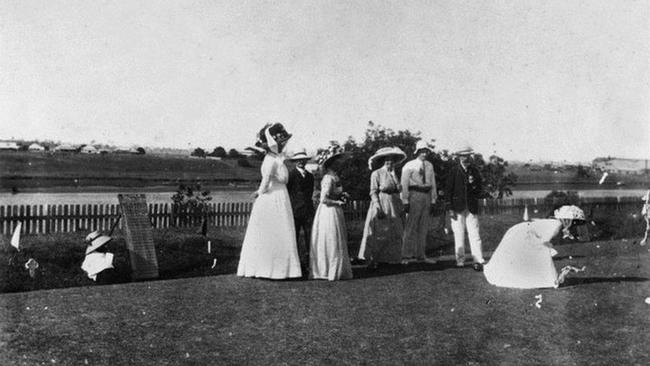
x,y
463,187
301,190
419,195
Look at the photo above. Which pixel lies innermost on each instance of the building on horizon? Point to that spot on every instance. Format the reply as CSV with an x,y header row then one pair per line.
x,y
622,166
9,145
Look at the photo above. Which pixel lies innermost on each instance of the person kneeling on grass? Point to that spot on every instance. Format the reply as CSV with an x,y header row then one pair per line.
x,y
98,263
524,257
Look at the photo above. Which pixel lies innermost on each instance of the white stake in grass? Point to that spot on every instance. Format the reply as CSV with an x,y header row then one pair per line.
x,y
15,238
602,179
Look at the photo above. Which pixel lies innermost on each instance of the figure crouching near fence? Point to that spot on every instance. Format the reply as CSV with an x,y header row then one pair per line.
x,y
419,195
269,249
328,256
384,227
463,189
98,263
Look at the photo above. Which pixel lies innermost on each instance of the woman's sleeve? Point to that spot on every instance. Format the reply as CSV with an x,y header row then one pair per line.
x,y
268,169
374,186
405,184
325,188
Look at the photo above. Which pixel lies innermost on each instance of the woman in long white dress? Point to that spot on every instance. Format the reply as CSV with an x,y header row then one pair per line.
x,y
328,256
384,227
524,257
269,249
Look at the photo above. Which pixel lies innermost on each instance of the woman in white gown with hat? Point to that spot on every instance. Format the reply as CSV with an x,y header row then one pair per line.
x,y
384,227
524,257
328,252
269,249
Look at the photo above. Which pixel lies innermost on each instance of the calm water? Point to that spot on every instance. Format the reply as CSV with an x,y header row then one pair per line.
x,y
107,198
230,196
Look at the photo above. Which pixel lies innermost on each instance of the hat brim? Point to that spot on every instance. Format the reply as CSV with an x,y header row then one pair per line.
x,y
97,243
464,152
333,158
372,162
299,157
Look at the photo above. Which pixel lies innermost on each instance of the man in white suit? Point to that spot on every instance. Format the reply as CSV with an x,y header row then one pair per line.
x,y
419,195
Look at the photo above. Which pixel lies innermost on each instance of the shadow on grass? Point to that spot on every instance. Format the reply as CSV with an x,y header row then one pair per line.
x,y
363,271
568,257
574,281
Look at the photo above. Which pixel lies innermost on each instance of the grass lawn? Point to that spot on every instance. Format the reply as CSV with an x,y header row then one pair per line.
x,y
420,314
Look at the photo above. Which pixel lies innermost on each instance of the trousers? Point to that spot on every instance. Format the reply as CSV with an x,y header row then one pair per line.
x,y
467,222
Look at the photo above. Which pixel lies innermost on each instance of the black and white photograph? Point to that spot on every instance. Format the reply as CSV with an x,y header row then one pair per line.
x,y
343,182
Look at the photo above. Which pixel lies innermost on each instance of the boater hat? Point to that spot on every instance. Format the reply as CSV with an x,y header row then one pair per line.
x,y
384,152
569,212
464,151
96,241
300,155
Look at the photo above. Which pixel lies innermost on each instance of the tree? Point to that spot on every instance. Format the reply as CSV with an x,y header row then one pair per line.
x,y
140,151
192,200
244,163
582,172
497,182
219,152
356,174
198,152
233,153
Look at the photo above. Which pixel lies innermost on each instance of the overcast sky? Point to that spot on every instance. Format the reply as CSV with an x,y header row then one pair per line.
x,y
560,80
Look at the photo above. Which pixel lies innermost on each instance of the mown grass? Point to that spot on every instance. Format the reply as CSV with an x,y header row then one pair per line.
x,y
417,315
182,252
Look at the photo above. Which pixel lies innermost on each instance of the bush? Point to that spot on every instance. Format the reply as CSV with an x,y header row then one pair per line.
x,y
244,163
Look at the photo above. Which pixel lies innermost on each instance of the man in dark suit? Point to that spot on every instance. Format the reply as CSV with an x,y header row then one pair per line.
x,y
301,190
463,190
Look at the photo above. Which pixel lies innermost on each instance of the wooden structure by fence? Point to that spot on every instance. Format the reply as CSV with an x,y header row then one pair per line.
x,y
37,219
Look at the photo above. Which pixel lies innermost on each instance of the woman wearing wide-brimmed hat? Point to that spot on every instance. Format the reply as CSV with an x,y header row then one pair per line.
x,y
269,249
524,257
382,233
328,252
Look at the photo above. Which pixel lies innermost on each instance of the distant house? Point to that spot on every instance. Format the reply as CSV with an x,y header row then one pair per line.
x,y
247,153
8,146
89,149
622,166
35,147
65,148
125,150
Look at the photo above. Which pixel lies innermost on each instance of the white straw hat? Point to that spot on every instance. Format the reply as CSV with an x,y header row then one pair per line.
x,y
386,151
96,241
422,145
569,212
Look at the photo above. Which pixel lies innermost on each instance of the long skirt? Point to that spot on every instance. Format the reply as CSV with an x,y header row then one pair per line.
x,y
328,255
522,260
382,238
269,249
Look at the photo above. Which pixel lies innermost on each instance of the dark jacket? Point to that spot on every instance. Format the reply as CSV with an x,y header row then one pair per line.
x,y
300,193
459,192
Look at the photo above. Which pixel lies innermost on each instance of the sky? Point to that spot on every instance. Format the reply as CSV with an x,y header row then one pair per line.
x,y
541,80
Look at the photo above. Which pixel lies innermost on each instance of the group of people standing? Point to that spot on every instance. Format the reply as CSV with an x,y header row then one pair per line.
x,y
399,217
